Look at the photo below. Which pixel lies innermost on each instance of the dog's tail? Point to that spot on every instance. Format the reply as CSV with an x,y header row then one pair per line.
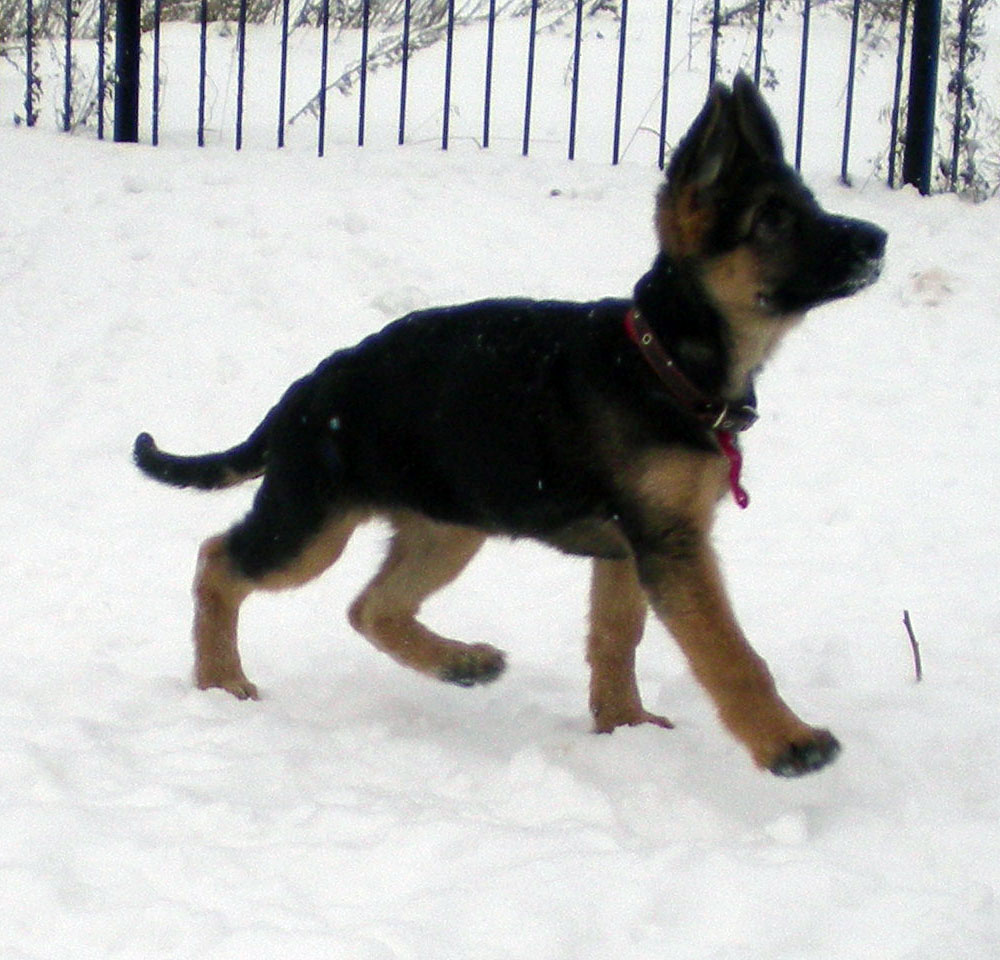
x,y
210,471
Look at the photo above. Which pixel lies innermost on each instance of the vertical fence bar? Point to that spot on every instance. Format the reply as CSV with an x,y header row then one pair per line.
x,y
918,153
758,56
488,94
531,77
713,54
283,74
68,71
157,12
29,67
897,92
575,86
403,74
449,46
964,23
363,92
128,37
620,87
802,85
324,51
202,69
852,63
665,93
102,86
241,53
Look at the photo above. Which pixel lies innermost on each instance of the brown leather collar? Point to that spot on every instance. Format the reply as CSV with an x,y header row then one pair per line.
x,y
716,414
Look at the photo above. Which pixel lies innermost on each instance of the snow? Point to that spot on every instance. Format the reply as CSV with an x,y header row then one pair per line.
x,y
360,811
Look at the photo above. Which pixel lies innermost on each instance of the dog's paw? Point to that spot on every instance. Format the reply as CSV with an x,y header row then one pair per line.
x,y
239,687
606,721
806,756
477,663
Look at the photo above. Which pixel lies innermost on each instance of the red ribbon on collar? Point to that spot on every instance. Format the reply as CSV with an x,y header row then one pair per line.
x,y
732,451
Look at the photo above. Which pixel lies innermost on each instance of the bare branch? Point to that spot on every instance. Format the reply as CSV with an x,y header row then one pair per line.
x,y
914,646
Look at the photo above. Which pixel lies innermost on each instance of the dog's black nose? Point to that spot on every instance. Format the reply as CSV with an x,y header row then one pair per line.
x,y
869,240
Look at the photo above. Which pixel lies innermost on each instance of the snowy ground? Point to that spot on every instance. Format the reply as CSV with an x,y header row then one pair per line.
x,y
362,812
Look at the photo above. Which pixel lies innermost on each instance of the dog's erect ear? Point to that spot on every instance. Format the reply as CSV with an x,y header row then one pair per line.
x,y
708,145
725,148
756,123
733,127
684,206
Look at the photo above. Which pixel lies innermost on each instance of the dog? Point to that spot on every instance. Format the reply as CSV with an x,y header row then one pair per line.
x,y
606,429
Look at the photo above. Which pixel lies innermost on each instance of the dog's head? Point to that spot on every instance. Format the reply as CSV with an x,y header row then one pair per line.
x,y
732,210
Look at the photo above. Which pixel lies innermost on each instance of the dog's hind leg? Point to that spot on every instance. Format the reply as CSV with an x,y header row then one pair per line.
x,y
218,593
617,618
222,584
424,557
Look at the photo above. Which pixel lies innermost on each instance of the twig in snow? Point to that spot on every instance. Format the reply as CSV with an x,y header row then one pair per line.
x,y
914,646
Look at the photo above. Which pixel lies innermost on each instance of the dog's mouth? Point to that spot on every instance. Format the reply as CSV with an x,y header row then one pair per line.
x,y
799,299
865,276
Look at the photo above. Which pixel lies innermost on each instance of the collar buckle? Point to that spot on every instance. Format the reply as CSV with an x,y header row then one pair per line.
x,y
735,420
716,414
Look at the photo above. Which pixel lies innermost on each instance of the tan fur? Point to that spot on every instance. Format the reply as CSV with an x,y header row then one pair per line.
x,y
424,557
219,592
736,283
684,586
683,483
617,618
681,222
317,557
690,600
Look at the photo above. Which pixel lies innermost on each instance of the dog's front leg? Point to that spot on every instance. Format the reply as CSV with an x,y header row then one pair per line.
x,y
617,617
685,588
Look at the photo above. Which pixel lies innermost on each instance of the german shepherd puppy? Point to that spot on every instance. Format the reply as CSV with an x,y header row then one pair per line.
x,y
604,429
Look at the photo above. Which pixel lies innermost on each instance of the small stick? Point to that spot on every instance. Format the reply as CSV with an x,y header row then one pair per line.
x,y
913,645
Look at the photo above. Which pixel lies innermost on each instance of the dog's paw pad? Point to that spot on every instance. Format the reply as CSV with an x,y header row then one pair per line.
x,y
808,756
478,664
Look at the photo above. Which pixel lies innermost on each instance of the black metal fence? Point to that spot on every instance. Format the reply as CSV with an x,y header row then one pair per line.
x,y
919,35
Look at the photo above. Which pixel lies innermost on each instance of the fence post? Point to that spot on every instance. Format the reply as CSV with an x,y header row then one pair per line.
x,y
488,92
918,151
68,70
575,81
803,69
620,86
102,29
31,86
157,17
897,88
849,109
283,74
403,72
964,26
127,43
202,69
530,82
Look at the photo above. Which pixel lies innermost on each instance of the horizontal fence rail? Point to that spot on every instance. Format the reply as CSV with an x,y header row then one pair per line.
x,y
751,19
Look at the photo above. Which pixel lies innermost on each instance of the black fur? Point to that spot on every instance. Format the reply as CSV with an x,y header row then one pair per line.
x,y
493,415
518,417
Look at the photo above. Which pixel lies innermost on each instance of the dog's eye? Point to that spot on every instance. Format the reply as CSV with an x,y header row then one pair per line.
x,y
772,220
